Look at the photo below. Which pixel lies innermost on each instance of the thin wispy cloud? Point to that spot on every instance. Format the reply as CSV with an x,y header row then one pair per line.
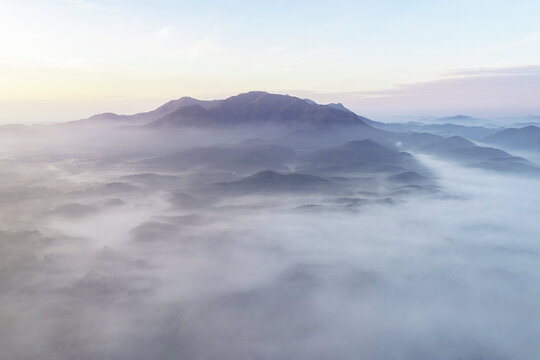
x,y
480,92
517,70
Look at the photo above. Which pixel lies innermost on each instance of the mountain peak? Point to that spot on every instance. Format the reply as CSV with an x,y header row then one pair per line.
x,y
106,115
458,118
339,106
253,108
261,108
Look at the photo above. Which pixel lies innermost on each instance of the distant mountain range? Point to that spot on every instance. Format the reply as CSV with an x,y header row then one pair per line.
x,y
458,119
526,138
461,150
470,131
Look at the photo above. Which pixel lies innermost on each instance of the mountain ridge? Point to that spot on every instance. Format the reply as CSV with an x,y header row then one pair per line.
x,y
148,116
250,108
526,138
259,107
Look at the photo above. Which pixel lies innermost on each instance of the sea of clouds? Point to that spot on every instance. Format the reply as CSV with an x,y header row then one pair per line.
x,y
94,265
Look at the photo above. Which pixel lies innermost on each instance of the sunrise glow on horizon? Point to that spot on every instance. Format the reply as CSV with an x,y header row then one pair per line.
x,y
62,60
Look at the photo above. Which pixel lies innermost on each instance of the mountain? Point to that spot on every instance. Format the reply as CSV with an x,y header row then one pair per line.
x,y
363,155
146,117
338,106
245,157
480,153
413,140
459,119
271,181
259,108
461,150
446,144
470,132
526,138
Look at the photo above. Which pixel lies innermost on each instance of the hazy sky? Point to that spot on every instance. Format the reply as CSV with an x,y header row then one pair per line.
x,y
62,59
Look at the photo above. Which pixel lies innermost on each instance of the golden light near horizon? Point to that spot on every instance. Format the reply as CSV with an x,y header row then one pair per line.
x,y
82,52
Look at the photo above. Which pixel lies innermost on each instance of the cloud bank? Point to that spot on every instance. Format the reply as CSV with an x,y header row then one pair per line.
x,y
99,265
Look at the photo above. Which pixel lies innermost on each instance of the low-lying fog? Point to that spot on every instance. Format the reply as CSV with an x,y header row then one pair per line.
x,y
101,259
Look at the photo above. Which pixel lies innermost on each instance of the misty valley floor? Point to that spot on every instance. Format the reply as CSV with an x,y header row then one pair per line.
x,y
265,226
100,264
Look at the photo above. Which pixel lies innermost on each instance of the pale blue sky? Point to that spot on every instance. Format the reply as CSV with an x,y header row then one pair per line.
x,y
66,59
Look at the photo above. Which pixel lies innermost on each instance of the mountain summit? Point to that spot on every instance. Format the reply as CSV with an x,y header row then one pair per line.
x,y
260,108
255,108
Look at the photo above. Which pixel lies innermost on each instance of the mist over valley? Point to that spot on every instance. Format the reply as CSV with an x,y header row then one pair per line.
x,y
266,226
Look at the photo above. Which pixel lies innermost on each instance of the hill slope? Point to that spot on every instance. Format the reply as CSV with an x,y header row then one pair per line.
x,y
527,138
